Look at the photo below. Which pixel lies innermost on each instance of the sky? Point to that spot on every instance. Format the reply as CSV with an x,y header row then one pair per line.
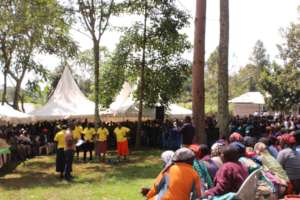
x,y
250,20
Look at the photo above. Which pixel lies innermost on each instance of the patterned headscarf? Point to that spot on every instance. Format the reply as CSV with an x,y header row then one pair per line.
x,y
217,149
167,156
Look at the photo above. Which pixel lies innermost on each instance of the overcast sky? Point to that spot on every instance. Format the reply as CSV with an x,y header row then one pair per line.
x,y
250,20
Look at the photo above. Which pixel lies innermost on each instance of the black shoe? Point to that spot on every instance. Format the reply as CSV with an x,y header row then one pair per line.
x,y
68,178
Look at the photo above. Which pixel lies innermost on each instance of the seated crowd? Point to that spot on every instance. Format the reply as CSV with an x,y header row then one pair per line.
x,y
29,140
222,168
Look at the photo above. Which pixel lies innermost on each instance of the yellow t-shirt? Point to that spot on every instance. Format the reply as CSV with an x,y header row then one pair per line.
x,y
77,132
60,139
88,134
102,134
121,133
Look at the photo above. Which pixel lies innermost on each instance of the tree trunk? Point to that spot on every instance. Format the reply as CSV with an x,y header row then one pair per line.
x,y
4,87
142,74
97,67
223,112
17,95
198,72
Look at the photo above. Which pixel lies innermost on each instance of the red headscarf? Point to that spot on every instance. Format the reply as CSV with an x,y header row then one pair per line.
x,y
196,149
235,137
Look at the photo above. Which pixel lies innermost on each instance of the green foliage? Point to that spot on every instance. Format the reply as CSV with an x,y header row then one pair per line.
x,y
289,50
34,93
240,82
211,87
165,69
260,61
28,28
283,86
282,83
111,76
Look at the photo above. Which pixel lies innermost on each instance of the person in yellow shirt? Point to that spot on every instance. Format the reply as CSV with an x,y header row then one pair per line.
x,y
60,158
121,133
77,136
88,133
101,147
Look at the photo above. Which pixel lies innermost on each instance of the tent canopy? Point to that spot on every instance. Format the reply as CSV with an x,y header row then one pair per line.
x,y
176,111
125,106
67,100
249,98
7,113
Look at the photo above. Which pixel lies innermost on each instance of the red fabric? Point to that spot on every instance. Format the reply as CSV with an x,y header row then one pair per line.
x,y
235,137
196,149
250,154
287,138
122,148
102,147
292,197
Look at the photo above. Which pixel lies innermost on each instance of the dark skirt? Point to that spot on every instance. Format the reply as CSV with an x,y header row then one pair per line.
x,y
101,147
69,154
88,146
60,160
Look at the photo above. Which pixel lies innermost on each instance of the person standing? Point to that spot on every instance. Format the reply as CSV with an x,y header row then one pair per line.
x,y
101,147
60,157
88,133
77,132
69,153
187,132
122,143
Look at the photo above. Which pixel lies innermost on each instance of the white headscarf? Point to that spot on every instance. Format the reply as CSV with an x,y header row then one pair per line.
x,y
167,156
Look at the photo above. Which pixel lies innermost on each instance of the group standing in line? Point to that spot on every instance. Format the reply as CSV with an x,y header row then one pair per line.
x,y
73,138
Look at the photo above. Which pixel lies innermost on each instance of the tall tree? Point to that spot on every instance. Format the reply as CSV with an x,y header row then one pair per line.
x,y
260,59
282,83
30,28
142,77
198,92
95,15
160,48
223,112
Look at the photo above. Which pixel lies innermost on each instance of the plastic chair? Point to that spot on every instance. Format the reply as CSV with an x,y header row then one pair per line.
x,y
248,189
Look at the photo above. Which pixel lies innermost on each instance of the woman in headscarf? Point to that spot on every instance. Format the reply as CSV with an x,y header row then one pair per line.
x,y
274,170
216,151
166,157
230,176
201,167
246,162
179,180
289,159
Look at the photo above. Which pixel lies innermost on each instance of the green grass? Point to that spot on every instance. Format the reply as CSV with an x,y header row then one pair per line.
x,y
37,179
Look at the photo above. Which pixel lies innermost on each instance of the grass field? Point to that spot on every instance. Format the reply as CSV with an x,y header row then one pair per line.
x,y
37,179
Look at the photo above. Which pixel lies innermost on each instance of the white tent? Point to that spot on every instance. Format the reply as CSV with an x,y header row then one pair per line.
x,y
176,111
126,108
8,114
249,97
248,103
66,101
124,103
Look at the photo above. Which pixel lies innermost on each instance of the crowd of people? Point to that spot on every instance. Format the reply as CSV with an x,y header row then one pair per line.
x,y
255,143
29,140
213,169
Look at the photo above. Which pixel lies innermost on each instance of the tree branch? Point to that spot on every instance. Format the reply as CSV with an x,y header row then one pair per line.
x,y
107,19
